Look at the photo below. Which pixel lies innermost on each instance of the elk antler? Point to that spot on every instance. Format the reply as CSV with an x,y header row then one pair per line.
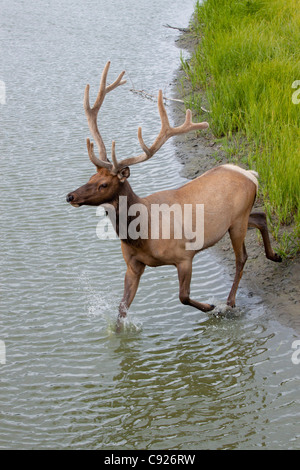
x,y
165,133
91,114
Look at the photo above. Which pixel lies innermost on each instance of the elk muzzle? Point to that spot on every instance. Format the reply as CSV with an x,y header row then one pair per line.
x,y
71,198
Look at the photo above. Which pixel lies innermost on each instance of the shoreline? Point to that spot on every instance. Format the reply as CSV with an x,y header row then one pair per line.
x,y
278,284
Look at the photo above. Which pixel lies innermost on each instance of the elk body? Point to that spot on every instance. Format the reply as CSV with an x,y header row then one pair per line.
x,y
227,194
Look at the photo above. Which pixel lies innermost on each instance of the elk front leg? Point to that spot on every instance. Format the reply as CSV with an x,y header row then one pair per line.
x,y
185,275
131,283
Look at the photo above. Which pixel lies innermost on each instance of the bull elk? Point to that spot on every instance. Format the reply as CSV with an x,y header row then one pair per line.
x,y
226,192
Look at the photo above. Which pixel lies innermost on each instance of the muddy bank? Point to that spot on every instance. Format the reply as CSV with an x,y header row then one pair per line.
x,y
278,284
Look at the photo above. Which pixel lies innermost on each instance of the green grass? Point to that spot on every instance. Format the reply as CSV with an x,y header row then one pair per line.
x,y
245,62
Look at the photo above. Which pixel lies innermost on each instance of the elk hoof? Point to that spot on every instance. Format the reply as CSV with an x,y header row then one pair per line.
x,y
210,308
276,258
120,324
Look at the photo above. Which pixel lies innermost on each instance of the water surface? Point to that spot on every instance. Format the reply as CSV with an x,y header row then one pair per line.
x,y
175,378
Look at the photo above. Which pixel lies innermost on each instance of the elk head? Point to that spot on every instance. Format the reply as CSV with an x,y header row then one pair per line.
x,y
111,178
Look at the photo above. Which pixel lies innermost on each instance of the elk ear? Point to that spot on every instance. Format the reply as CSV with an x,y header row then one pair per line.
x,y
124,174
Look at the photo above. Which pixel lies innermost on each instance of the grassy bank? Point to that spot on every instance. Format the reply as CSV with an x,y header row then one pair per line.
x,y
243,68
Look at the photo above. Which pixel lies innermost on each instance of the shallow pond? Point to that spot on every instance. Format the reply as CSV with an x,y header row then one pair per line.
x,y
175,378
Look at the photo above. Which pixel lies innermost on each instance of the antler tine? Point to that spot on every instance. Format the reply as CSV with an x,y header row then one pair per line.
x,y
142,143
165,130
91,113
165,125
115,165
117,82
103,89
94,159
189,125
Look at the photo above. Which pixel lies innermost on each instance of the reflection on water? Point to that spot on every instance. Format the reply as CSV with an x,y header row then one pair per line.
x,y
175,377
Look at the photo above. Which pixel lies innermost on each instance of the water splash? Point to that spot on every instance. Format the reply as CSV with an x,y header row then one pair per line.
x,y
103,306
127,326
224,310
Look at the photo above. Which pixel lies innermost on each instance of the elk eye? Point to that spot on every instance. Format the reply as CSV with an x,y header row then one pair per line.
x,y
104,185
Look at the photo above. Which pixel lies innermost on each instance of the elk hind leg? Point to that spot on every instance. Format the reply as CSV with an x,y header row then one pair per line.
x,y
185,275
237,236
259,221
